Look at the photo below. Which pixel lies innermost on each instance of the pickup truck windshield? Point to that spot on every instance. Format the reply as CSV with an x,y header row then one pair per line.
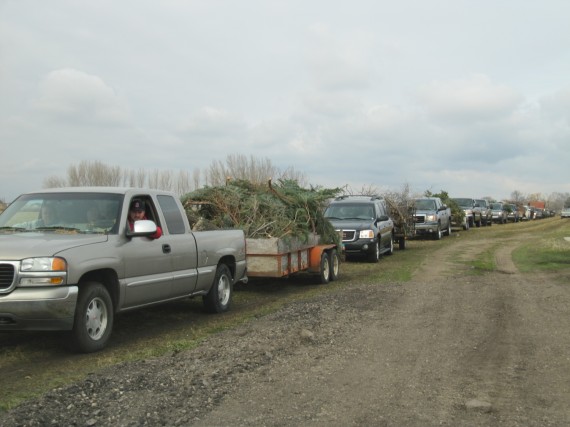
x,y
63,212
425,205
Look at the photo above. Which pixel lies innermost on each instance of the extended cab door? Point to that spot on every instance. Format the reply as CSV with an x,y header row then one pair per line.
x,y
182,247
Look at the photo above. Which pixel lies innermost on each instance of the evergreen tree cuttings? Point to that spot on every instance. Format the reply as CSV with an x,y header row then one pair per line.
x,y
282,209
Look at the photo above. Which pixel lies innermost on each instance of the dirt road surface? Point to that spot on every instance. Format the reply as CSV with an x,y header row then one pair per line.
x,y
448,348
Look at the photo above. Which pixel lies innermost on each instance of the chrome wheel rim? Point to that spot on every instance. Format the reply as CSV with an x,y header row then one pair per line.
x,y
96,318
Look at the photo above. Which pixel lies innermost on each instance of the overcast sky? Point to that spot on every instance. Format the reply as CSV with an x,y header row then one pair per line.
x,y
470,97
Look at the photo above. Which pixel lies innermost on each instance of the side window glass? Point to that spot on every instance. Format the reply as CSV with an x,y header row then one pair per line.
x,y
144,204
172,214
380,209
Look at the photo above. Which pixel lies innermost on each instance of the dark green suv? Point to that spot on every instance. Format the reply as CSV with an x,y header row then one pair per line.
x,y
365,224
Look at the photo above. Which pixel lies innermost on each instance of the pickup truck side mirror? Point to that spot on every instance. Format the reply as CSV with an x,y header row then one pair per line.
x,y
144,227
383,218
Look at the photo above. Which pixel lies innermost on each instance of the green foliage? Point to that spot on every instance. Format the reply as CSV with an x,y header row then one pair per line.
x,y
282,209
457,214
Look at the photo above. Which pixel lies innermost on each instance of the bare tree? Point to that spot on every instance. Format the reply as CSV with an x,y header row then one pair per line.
x,y
238,166
517,197
365,190
533,197
196,178
556,201
54,182
182,183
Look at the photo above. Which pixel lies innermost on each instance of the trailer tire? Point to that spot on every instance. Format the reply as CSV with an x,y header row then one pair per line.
x,y
334,262
219,298
93,321
325,269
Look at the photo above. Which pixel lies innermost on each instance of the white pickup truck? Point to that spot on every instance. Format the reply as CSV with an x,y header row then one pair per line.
x,y
76,269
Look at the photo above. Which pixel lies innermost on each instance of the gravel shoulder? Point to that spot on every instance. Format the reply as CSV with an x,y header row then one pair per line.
x,y
447,348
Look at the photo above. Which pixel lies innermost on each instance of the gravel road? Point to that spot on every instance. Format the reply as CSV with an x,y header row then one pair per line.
x,y
448,348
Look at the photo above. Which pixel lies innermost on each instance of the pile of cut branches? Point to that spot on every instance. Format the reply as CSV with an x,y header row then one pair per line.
x,y
282,209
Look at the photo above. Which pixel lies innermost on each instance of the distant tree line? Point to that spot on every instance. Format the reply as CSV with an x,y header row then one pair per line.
x,y
238,167
96,173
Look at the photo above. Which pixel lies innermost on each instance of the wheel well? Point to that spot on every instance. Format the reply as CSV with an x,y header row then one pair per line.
x,y
230,262
108,278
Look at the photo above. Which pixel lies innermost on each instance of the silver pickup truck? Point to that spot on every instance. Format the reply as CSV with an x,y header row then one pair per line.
x,y
70,260
432,217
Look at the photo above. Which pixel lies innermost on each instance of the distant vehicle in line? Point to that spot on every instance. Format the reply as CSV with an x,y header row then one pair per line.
x,y
512,212
565,213
485,211
365,225
499,213
432,217
467,204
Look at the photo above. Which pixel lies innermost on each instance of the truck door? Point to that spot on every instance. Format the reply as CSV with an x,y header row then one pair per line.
x,y
183,251
148,265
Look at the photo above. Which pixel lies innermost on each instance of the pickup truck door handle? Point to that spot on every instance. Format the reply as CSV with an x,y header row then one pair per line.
x,y
166,248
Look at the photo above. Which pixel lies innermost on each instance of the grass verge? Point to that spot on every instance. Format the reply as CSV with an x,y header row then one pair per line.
x,y
549,252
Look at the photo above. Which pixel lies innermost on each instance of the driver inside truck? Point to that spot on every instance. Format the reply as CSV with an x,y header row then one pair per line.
x,y
137,212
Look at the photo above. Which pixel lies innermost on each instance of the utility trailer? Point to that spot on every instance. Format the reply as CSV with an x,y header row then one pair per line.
x,y
274,257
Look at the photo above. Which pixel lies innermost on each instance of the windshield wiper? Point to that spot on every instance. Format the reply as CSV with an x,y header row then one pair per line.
x,y
14,228
57,228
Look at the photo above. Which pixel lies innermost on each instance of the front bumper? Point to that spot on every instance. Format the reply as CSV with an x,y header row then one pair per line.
x,y
39,309
360,246
427,228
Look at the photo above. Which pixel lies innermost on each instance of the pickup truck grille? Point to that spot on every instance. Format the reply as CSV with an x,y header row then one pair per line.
x,y
6,276
348,235
419,219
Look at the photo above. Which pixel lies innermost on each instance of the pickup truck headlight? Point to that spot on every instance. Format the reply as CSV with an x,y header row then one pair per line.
x,y
366,234
43,271
431,218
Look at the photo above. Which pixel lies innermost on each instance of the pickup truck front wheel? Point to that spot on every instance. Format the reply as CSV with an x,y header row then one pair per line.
x,y
438,233
93,321
219,297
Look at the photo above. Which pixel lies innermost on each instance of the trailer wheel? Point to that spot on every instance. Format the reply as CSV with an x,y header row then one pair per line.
x,y
93,321
219,297
334,263
325,269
